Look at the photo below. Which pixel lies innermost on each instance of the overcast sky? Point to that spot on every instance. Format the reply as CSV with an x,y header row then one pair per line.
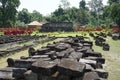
x,y
45,7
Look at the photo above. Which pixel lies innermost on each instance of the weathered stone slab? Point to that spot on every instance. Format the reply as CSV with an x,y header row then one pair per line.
x,y
29,75
91,76
39,56
90,62
31,51
2,53
18,73
71,68
24,57
98,43
24,63
63,77
44,67
98,59
42,51
10,62
62,46
102,73
88,68
52,54
51,46
65,53
76,55
94,54
83,50
6,73
106,47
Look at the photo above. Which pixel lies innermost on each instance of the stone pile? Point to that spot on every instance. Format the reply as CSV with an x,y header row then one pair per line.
x,y
38,40
100,40
116,36
70,59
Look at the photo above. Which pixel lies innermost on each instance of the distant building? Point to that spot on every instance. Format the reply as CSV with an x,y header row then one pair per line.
x,y
35,24
63,26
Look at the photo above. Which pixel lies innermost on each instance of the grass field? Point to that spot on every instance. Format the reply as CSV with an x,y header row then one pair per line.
x,y
112,57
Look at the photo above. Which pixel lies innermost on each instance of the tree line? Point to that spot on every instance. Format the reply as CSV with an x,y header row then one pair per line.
x,y
92,13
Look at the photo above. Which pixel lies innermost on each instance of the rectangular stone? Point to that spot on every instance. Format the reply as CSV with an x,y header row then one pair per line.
x,y
98,59
42,51
91,76
62,46
94,54
44,67
102,73
26,63
29,75
18,73
71,68
6,73
65,53
90,62
76,55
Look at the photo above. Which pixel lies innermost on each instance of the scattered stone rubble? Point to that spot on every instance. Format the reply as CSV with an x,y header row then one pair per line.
x,y
100,40
70,59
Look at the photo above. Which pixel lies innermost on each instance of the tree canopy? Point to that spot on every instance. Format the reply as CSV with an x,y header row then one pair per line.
x,y
92,13
8,10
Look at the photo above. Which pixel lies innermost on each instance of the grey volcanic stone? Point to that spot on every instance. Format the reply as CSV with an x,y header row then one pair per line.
x,y
42,51
65,53
29,75
90,62
91,76
62,46
76,55
102,73
6,73
71,68
94,54
98,59
10,62
24,63
18,73
44,67
31,51
88,68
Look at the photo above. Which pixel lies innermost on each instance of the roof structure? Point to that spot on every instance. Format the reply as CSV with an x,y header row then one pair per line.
x,y
35,23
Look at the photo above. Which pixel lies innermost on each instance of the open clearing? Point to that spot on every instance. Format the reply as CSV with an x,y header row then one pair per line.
x,y
112,57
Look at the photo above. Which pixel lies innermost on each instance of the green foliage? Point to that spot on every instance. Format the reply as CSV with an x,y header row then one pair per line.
x,y
115,13
82,4
20,24
24,16
96,10
8,12
36,16
65,4
112,12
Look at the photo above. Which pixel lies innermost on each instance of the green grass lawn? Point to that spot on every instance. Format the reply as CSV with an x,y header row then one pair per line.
x,y
112,57
17,55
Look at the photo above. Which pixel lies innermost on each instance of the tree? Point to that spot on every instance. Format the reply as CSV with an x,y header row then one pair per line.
x,y
96,7
112,11
8,12
115,13
36,16
83,16
65,4
113,1
82,4
57,15
24,16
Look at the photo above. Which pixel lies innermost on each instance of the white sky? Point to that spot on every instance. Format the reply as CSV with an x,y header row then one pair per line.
x,y
45,7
